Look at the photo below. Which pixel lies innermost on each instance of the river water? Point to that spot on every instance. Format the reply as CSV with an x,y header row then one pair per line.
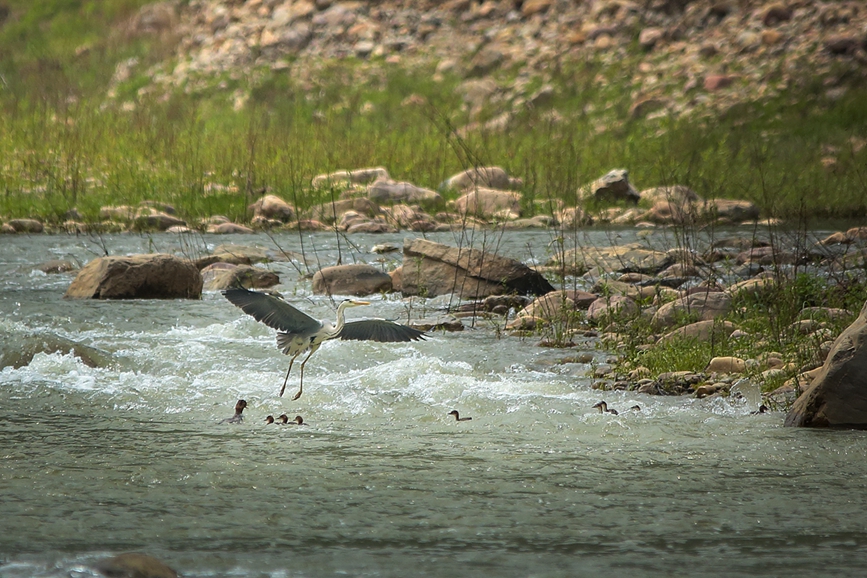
x,y
131,456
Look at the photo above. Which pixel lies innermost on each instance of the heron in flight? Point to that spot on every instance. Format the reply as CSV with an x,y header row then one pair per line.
x,y
298,332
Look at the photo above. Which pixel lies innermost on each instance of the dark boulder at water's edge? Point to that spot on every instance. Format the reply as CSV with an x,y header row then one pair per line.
x,y
155,276
838,394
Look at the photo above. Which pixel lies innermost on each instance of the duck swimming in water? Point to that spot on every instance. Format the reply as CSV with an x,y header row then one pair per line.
x,y
283,418
269,419
603,408
762,409
239,410
299,420
458,417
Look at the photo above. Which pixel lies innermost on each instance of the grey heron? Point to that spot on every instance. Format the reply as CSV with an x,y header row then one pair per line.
x,y
297,332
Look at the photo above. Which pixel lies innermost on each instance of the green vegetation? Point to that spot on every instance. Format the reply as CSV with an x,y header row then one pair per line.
x,y
64,143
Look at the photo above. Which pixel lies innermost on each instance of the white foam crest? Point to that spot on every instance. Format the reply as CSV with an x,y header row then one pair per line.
x,y
65,371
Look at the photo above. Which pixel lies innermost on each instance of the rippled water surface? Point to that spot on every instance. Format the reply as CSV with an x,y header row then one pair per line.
x,y
131,455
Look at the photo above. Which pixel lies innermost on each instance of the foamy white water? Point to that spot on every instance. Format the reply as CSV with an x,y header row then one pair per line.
x,y
95,461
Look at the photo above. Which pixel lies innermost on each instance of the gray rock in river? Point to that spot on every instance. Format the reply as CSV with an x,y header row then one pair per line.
x,y
838,395
357,279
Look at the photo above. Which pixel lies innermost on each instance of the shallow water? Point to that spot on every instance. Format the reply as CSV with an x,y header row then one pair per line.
x,y
131,456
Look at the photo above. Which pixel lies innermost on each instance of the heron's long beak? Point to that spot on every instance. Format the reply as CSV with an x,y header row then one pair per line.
x,y
356,302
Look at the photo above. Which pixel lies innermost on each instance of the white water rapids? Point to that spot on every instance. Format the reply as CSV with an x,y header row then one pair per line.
x,y
130,456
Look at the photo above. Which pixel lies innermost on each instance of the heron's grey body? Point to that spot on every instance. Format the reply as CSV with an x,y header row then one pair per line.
x,y
298,332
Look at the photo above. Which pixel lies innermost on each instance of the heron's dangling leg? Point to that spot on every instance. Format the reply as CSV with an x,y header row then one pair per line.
x,y
301,384
282,389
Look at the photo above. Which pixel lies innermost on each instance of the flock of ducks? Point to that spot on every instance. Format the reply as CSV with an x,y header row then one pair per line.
x,y
283,419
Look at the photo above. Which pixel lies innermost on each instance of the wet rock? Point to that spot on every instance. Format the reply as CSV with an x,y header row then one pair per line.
x,y
154,276
611,187
236,254
501,304
134,565
226,275
390,192
488,203
57,266
356,279
26,225
554,305
433,269
704,306
272,207
17,350
491,177
838,395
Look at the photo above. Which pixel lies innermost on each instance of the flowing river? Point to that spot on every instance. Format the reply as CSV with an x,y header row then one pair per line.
x,y
131,455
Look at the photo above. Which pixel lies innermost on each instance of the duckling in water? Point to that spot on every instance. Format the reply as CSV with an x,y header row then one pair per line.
x,y
458,417
239,409
283,418
603,408
299,420
269,419
762,409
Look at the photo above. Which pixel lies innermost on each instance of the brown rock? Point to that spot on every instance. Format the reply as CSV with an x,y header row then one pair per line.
x,y
714,82
343,179
531,7
704,306
229,229
156,276
726,365
732,210
649,37
775,13
632,257
388,192
711,329
839,45
357,279
57,266
433,269
226,275
605,308
487,203
331,212
838,395
492,177
272,207
157,221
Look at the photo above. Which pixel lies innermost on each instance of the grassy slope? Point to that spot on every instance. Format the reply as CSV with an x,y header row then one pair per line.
x,y
61,147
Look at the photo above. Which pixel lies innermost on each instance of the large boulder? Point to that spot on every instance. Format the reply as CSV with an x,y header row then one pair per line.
x,y
731,210
611,187
489,203
388,192
26,225
150,220
493,177
155,276
838,395
433,269
357,279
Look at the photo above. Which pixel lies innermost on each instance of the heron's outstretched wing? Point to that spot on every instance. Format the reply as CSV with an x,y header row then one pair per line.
x,y
273,312
379,330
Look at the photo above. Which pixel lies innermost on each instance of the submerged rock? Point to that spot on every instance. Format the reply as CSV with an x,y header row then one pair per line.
x,y
18,350
134,565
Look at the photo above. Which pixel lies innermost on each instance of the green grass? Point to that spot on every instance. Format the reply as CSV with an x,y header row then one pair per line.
x,y
63,144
